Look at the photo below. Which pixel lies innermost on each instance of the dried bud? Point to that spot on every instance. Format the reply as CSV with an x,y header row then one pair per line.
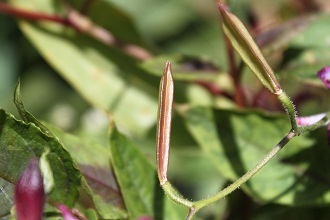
x,y
164,122
324,75
29,193
66,212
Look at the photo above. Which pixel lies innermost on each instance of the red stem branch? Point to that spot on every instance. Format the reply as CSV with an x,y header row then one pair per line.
x,y
80,23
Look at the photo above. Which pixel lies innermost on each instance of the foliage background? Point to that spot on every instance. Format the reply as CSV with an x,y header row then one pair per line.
x,y
69,80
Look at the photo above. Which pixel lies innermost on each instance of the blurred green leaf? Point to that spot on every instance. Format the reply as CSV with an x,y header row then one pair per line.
x,y
138,182
104,76
308,52
236,141
93,161
111,17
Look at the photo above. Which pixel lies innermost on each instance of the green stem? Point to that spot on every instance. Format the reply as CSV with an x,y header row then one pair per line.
x,y
205,202
175,196
291,111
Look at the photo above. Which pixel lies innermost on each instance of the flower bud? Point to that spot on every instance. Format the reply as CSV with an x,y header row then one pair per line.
x,y
29,193
324,75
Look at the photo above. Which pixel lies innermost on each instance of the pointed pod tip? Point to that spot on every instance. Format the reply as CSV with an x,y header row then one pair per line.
x,y
168,67
222,7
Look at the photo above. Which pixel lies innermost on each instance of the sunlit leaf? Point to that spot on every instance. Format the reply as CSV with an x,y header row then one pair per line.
x,y
103,75
236,141
138,182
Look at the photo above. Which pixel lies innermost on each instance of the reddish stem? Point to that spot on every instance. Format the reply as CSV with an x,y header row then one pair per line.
x,y
235,73
33,16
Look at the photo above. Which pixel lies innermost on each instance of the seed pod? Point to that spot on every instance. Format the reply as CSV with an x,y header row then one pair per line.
x,y
164,122
29,193
248,50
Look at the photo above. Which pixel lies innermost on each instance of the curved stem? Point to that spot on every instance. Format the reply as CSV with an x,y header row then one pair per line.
x,y
175,196
290,110
205,202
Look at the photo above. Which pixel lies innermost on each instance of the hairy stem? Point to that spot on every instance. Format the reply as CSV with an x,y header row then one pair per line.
x,y
205,202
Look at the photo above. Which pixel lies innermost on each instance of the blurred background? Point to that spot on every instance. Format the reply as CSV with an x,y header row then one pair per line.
x,y
71,80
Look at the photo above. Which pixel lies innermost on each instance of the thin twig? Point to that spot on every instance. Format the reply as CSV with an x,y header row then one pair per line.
x,y
80,23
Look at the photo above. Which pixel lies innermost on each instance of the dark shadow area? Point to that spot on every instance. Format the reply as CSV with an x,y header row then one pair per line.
x,y
159,201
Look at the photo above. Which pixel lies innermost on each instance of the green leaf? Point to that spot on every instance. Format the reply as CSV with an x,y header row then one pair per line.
x,y
308,53
97,172
248,50
25,115
236,141
138,181
99,182
19,142
103,75
315,35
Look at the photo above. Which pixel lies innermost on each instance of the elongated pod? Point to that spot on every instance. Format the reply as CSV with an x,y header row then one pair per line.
x,y
164,122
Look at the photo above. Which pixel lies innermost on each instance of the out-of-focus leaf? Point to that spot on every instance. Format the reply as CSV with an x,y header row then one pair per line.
x,y
138,182
93,161
113,18
236,141
315,35
273,212
103,75
248,50
204,42
171,15
19,142
308,52
276,38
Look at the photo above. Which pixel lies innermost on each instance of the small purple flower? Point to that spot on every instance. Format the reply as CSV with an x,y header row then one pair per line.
x,y
66,212
309,120
324,75
29,193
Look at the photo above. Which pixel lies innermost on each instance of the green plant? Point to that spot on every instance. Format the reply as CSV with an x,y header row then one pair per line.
x,y
96,136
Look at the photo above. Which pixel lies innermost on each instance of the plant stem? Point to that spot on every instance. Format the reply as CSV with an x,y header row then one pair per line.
x,y
32,16
205,202
175,196
81,23
290,110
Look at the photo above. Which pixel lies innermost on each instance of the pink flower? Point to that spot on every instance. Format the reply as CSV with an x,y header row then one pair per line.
x,y
66,212
324,75
29,193
309,120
